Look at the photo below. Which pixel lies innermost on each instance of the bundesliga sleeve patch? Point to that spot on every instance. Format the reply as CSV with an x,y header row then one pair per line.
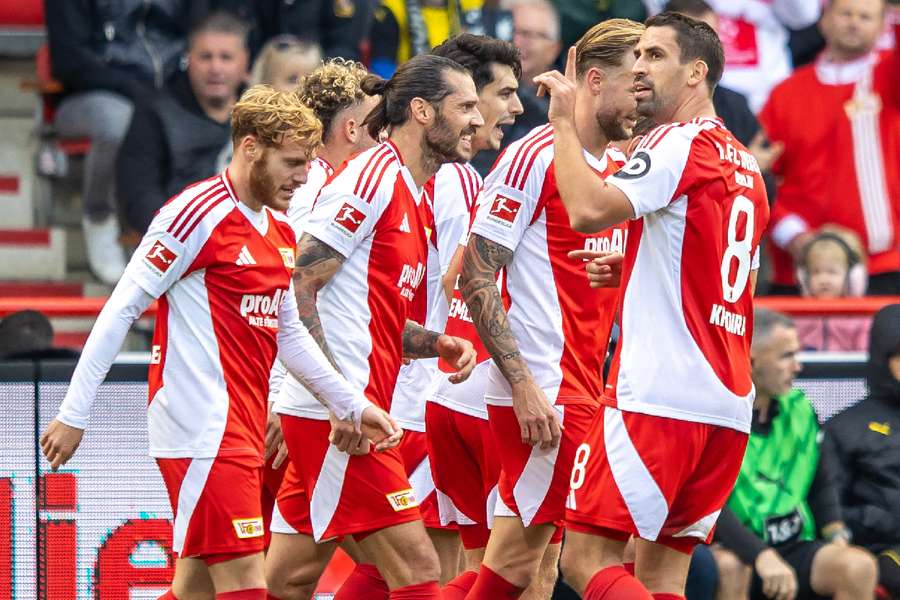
x,y
348,219
160,258
504,210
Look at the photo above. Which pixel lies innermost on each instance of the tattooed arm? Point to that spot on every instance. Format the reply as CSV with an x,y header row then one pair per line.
x,y
317,262
478,280
419,342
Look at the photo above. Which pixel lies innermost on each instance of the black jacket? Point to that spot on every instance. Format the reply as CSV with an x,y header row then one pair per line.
x,y
866,442
123,46
170,144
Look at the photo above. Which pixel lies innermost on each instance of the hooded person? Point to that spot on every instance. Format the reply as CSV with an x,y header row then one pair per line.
x,y
866,441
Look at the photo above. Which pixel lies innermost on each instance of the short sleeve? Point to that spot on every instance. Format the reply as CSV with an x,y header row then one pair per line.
x,y
304,199
451,216
656,169
342,220
173,241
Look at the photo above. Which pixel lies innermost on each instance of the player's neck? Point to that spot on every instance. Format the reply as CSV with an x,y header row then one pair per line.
x,y
589,133
409,144
693,107
239,176
761,404
334,156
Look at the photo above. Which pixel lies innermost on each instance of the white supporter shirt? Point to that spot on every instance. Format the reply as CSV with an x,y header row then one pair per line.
x,y
450,194
687,307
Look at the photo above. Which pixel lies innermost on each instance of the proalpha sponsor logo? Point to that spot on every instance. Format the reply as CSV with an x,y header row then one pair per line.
x,y
613,240
160,257
409,280
261,310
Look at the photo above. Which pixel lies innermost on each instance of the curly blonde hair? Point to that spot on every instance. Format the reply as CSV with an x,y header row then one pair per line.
x,y
331,88
604,44
272,117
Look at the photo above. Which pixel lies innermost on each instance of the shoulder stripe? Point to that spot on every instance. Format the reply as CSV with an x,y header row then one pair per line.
x,y
464,185
474,181
211,205
370,171
665,133
376,156
191,205
202,209
371,193
525,146
534,154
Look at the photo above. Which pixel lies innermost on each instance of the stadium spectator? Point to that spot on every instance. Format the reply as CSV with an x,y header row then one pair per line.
x,y
182,134
283,62
108,56
405,28
338,27
536,33
28,335
863,440
577,16
841,152
783,516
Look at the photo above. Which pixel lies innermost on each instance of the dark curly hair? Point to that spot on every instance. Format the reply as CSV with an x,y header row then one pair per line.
x,y
477,52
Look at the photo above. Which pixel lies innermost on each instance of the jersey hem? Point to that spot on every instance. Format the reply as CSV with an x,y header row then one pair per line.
x,y
410,425
301,413
460,407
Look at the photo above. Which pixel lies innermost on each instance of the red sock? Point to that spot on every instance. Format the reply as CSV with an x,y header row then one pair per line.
x,y
629,567
456,589
169,595
491,586
614,583
364,583
430,590
254,594
667,597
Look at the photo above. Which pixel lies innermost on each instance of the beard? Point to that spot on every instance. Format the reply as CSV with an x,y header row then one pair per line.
x,y
262,187
441,144
613,128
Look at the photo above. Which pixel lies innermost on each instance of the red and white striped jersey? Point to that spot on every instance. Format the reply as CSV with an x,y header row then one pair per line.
x,y
449,196
305,196
372,214
687,306
221,273
561,325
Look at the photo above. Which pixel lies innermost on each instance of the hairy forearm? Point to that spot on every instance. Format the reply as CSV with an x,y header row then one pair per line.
x,y
419,342
478,283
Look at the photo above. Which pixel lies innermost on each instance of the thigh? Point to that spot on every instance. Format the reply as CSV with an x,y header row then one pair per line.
x,y
583,554
296,558
192,580
97,114
402,553
660,568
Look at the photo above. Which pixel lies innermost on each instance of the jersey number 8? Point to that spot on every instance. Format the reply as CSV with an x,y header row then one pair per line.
x,y
739,249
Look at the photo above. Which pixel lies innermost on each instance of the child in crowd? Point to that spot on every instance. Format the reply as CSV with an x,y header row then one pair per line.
x,y
831,266
283,62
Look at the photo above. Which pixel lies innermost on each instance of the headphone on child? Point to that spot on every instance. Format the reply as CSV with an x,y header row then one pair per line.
x,y
857,276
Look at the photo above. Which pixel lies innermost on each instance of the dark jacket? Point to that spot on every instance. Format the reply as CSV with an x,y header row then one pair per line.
x,y
123,46
865,439
170,144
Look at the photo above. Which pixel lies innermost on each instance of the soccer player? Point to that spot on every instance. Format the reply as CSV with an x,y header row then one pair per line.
x,y
333,91
219,258
548,348
664,452
363,257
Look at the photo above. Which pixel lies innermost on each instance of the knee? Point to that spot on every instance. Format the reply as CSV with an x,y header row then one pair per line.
x,y
860,568
421,563
576,569
292,581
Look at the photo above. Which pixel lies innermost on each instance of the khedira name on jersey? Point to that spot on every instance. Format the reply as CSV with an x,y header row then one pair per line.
x,y
262,310
731,322
410,278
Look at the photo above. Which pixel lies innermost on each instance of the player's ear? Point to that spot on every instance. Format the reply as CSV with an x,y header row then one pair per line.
x,y
250,147
351,130
421,110
595,78
699,69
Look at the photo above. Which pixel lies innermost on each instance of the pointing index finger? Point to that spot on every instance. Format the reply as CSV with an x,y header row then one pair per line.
x,y
570,64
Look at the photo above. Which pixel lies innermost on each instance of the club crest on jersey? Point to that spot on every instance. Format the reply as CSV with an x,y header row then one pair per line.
x,y
287,257
402,500
160,258
348,219
637,166
504,210
248,528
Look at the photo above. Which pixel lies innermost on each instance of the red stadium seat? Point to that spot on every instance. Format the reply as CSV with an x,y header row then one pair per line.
x,y
22,13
